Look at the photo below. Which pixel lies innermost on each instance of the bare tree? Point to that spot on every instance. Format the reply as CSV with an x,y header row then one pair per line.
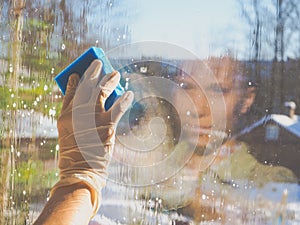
x,y
15,12
275,27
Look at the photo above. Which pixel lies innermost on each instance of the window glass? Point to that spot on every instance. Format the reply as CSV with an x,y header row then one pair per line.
x,y
213,134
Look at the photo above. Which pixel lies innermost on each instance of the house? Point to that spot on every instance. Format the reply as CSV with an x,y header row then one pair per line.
x,y
275,139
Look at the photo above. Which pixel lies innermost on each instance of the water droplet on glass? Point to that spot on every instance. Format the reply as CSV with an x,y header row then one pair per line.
x,y
52,112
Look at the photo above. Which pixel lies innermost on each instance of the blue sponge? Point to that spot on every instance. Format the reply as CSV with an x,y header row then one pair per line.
x,y
79,66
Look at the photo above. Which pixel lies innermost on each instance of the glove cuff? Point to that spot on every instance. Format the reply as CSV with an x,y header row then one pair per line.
x,y
92,172
94,184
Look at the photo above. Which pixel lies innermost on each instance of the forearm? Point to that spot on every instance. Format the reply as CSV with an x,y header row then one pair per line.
x,y
68,205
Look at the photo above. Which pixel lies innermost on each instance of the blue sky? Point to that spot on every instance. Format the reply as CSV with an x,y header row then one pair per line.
x,y
201,26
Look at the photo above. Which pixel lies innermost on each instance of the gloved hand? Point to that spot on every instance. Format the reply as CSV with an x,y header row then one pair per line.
x,y
87,131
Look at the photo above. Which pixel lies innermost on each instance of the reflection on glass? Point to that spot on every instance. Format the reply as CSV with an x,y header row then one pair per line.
x,y
213,137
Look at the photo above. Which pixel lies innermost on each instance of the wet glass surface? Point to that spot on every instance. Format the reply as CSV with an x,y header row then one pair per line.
x,y
213,134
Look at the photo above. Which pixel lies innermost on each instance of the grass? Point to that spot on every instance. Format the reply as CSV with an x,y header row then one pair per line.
x,y
23,183
36,98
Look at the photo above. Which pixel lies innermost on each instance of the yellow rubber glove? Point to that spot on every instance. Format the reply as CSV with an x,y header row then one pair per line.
x,y
87,131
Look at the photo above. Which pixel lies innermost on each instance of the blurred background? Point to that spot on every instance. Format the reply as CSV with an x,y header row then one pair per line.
x,y
39,38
